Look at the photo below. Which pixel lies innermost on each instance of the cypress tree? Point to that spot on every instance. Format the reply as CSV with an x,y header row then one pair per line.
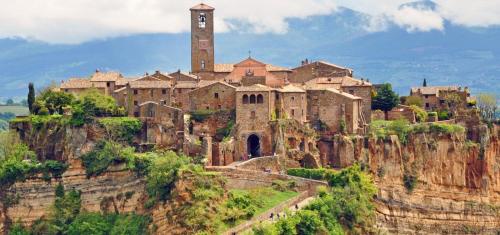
x,y
31,96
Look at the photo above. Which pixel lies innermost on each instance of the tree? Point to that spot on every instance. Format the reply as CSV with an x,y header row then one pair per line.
x,y
385,99
414,100
425,83
10,102
55,101
487,105
31,96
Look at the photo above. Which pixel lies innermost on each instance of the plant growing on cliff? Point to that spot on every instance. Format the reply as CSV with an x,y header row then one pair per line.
x,y
420,113
104,154
121,128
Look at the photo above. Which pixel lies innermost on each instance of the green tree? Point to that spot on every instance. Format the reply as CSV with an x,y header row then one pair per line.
x,y
31,96
56,101
385,99
414,100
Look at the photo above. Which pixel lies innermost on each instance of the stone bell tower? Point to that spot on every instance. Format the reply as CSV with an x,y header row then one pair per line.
x,y
202,40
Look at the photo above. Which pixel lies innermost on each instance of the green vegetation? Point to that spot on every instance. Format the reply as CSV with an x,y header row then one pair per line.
x,y
226,131
121,128
19,163
345,207
385,99
201,115
104,154
443,115
487,105
316,174
414,101
381,129
67,217
420,113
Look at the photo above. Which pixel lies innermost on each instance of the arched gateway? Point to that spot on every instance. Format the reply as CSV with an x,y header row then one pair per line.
x,y
253,146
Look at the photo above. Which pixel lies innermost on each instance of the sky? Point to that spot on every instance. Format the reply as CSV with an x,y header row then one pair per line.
x,y
77,21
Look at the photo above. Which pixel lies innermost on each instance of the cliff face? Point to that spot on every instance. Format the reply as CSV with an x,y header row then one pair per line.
x,y
118,190
456,182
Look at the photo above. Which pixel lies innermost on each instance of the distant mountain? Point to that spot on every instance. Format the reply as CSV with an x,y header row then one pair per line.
x,y
458,55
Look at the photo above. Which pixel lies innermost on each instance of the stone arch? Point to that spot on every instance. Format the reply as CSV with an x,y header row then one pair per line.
x,y
260,99
253,146
252,99
245,99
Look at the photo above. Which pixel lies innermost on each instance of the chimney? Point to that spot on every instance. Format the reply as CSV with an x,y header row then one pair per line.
x,y
147,74
97,70
157,72
307,61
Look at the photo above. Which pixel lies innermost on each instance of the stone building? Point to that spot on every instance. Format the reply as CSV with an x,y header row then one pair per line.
x,y
216,96
180,76
254,107
291,102
250,71
353,86
308,71
164,125
140,91
180,92
330,110
76,86
434,97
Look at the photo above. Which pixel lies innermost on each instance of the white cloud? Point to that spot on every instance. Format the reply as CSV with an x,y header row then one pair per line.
x,y
74,21
413,19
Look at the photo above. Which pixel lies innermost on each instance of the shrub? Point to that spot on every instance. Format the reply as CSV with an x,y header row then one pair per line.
x,y
410,182
414,101
121,128
95,104
201,115
238,206
103,155
317,174
443,115
446,128
420,113
226,131
162,174
432,114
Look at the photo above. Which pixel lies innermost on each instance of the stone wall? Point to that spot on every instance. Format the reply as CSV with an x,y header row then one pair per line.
x,y
216,96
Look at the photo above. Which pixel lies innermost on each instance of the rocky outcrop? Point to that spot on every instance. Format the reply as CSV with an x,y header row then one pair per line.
x,y
456,181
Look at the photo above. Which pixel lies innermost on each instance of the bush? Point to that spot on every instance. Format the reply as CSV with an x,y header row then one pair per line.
x,y
238,206
162,174
103,155
52,102
121,128
446,128
201,115
432,114
95,104
410,182
443,115
420,113
317,174
414,101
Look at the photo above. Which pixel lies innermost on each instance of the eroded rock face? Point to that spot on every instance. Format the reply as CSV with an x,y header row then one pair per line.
x,y
457,187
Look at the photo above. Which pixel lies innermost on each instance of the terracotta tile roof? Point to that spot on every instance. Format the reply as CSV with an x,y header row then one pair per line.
x,y
339,81
291,89
256,87
106,76
223,68
203,85
433,90
78,83
202,6
149,84
123,82
178,73
333,90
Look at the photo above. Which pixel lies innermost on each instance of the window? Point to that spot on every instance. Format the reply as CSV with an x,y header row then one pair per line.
x,y
136,114
202,65
65,90
207,108
219,106
351,92
108,84
135,92
427,105
260,99
202,20
164,91
293,112
292,98
216,95
277,96
245,99
179,91
252,99
426,96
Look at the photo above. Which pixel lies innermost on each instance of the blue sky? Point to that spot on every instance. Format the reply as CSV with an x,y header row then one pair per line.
x,y
76,21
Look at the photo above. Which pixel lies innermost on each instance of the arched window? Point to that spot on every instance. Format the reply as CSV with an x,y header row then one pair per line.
x,y
245,99
252,99
260,99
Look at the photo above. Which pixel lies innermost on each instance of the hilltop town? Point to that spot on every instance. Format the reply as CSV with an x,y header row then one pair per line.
x,y
312,131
